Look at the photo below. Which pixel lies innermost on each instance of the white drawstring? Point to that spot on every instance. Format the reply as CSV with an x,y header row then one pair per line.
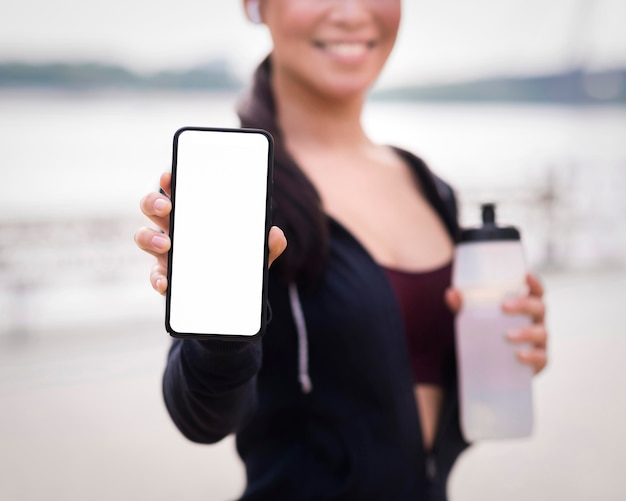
x,y
303,345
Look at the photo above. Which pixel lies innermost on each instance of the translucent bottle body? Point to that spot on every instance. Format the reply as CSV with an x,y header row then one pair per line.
x,y
494,387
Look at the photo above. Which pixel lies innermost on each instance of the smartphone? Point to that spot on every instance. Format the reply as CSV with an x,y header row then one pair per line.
x,y
219,225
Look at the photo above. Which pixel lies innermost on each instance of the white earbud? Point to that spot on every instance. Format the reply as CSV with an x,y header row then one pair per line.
x,y
254,11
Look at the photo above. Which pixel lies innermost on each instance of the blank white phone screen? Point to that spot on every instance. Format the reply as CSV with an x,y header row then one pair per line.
x,y
219,230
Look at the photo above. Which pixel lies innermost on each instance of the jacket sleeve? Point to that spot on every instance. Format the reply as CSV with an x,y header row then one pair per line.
x,y
209,387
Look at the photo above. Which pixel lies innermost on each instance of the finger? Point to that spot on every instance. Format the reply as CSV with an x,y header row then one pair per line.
x,y
532,306
165,182
157,207
453,299
158,278
535,288
537,359
534,334
277,243
153,242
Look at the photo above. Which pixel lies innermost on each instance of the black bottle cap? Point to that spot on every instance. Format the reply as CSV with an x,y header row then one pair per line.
x,y
489,231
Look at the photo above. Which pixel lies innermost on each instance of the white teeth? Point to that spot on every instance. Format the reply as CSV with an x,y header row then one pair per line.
x,y
347,49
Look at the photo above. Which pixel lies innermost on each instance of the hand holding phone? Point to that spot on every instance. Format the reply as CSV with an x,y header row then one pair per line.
x,y
219,224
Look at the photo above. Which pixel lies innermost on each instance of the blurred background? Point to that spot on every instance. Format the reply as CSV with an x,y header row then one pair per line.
x,y
521,102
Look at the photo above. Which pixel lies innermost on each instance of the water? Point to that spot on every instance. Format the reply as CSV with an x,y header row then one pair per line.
x,y
68,154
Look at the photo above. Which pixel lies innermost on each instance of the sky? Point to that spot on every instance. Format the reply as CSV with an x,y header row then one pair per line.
x,y
439,40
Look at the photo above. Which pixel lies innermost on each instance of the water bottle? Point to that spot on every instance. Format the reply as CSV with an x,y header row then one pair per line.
x,y
494,387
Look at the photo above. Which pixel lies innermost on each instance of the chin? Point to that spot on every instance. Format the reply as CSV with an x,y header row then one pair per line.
x,y
346,93
345,87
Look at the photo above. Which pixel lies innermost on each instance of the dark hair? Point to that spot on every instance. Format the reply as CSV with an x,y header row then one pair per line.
x,y
297,207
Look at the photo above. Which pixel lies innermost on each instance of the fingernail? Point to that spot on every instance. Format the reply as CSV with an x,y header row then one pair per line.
x,y
159,282
160,204
159,242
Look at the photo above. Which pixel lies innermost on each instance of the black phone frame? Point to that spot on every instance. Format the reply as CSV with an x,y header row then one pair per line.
x,y
268,224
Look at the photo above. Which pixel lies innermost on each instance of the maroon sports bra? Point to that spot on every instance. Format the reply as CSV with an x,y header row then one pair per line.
x,y
429,323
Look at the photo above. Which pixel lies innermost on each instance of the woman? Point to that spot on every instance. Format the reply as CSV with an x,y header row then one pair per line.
x,y
351,393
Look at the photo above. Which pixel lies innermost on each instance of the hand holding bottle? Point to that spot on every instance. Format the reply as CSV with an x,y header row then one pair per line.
x,y
533,337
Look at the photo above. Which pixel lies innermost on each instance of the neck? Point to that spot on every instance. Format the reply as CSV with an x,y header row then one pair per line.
x,y
310,120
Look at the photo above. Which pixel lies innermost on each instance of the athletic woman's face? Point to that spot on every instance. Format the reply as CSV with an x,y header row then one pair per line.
x,y
334,47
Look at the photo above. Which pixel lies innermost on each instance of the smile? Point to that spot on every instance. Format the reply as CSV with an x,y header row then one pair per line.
x,y
346,49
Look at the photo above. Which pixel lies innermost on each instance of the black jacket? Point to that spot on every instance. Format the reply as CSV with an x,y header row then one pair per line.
x,y
356,435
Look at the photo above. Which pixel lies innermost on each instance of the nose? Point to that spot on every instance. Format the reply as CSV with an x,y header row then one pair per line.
x,y
349,11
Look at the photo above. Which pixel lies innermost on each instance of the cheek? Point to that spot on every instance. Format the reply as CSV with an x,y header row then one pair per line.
x,y
289,45
389,21
291,22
